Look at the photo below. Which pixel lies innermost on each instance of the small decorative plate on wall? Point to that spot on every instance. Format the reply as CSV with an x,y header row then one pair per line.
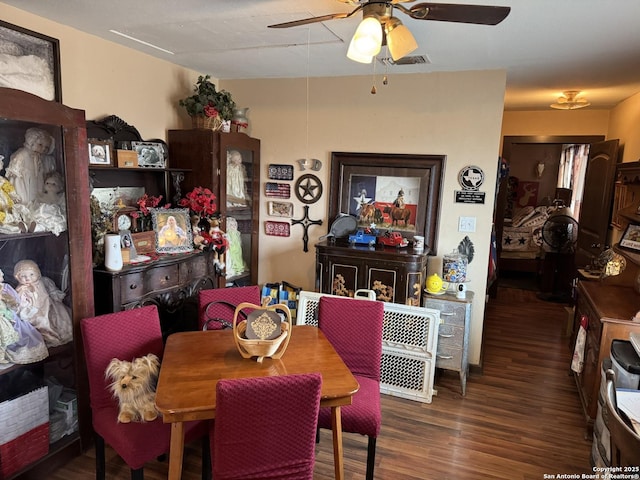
x,y
277,229
277,190
280,172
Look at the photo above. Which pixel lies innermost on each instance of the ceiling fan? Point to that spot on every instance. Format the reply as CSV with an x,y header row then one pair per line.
x,y
380,27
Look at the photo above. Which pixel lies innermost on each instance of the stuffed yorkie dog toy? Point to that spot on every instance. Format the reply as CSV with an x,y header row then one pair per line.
x,y
134,385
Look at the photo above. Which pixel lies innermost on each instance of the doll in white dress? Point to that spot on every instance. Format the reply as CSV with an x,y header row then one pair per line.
x,y
49,209
236,176
28,346
31,163
41,304
14,216
235,261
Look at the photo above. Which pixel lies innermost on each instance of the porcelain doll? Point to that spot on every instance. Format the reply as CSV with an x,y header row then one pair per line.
x,y
219,244
30,164
236,177
235,261
49,209
29,345
14,216
41,304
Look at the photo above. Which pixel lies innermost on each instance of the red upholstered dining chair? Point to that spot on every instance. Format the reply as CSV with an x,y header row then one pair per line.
x,y
220,303
127,335
265,427
354,328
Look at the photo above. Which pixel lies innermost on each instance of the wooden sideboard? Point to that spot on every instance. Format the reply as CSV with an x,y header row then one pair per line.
x,y
171,282
609,309
396,275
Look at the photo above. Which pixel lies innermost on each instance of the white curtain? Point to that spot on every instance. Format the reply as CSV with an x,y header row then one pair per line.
x,y
571,173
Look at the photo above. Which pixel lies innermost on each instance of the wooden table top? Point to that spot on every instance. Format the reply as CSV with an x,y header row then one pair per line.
x,y
194,361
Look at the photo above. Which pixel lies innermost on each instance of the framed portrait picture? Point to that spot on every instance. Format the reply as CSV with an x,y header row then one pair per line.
x,y
30,62
150,154
399,192
631,238
100,153
173,230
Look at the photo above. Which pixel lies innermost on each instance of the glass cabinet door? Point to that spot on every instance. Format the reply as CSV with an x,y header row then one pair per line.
x,y
239,219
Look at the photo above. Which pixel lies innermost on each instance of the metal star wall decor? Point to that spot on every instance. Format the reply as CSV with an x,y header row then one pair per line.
x,y
308,188
306,222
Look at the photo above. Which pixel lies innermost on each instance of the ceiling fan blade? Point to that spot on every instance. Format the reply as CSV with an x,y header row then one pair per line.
x,y
449,12
306,21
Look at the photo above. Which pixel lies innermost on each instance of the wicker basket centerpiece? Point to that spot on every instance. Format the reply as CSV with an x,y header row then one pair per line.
x,y
264,333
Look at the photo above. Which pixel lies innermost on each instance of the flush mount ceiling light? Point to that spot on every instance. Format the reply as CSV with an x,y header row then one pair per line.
x,y
569,101
379,19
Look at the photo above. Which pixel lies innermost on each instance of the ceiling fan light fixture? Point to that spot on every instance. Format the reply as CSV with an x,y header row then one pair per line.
x,y
569,101
399,39
367,41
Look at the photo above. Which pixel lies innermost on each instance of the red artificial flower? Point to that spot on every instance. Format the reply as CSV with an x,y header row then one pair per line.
x,y
210,111
201,201
146,202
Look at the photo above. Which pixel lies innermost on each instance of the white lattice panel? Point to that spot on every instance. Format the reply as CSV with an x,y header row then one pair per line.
x,y
409,344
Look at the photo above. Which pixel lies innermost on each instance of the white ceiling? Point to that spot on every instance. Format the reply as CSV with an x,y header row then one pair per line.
x,y
546,46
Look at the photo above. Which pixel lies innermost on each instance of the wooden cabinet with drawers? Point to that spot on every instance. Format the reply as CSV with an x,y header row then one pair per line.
x,y
609,309
395,275
171,282
453,334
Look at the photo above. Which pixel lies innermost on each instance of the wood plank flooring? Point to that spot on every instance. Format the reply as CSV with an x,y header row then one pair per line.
x,y
520,419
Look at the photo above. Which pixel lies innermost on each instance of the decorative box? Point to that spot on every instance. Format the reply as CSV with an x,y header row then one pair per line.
x,y
24,431
145,242
127,158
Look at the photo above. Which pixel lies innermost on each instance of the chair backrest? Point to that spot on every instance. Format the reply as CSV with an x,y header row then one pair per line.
x,y
354,328
265,427
625,443
232,296
125,335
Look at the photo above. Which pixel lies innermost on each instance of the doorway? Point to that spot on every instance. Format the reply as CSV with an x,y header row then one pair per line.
x,y
534,163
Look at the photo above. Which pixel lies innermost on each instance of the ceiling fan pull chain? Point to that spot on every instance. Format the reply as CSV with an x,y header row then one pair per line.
x,y
373,88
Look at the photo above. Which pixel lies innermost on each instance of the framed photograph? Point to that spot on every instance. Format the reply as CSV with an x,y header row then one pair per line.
x,y
30,62
173,230
280,209
150,154
631,238
399,192
100,153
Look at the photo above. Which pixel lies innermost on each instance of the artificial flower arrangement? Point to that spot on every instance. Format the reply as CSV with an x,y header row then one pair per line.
x,y
145,203
208,101
207,234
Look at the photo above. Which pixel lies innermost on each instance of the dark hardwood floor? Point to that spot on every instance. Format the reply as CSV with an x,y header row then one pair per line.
x,y
520,419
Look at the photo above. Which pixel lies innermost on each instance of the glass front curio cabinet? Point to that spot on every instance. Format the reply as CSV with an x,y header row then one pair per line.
x,y
45,280
229,165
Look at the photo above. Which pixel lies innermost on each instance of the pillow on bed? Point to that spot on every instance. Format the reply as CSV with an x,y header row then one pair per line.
x,y
516,238
536,219
521,215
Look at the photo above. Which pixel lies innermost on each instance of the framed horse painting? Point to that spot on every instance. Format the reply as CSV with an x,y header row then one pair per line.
x,y
399,192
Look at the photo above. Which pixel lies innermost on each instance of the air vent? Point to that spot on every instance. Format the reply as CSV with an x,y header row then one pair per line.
x,y
410,60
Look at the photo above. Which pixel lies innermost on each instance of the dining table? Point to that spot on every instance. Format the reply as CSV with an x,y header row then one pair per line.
x,y
194,361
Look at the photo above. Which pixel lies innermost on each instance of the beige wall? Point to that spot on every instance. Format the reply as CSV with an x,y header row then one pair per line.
x,y
625,125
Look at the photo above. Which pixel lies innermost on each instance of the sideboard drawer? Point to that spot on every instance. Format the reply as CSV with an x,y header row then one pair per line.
x,y
194,268
161,278
131,287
